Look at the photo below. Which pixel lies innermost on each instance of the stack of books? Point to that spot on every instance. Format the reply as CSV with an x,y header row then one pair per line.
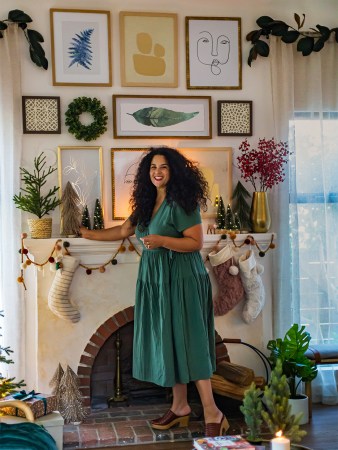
x,y
223,443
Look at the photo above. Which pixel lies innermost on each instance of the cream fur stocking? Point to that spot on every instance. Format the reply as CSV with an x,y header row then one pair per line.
x,y
58,297
230,287
250,273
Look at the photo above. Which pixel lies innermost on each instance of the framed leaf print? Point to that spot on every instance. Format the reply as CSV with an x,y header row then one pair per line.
x,y
153,116
81,51
148,49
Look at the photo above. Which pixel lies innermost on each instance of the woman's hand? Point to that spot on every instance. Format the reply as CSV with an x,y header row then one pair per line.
x,y
153,241
85,233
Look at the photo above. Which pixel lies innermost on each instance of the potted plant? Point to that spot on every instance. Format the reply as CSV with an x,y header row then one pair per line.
x,y
297,367
33,199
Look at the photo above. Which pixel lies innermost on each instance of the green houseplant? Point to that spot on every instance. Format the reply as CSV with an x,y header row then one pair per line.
x,y
34,199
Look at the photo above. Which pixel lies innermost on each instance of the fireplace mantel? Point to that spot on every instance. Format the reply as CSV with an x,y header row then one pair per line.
x,y
99,296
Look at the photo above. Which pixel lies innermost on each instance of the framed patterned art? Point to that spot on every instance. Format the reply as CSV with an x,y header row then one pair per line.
x,y
234,118
81,47
41,115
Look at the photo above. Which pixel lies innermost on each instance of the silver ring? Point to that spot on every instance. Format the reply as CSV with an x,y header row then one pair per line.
x,y
148,245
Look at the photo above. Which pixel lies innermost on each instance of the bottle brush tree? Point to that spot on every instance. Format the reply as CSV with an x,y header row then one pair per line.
x,y
7,385
220,219
252,412
32,197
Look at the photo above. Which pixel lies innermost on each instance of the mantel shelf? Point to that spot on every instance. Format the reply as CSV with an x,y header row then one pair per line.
x,y
95,252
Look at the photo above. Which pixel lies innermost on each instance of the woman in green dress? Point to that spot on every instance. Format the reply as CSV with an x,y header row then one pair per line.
x,y
174,336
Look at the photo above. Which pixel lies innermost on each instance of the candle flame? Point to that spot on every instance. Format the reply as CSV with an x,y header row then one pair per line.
x,y
279,433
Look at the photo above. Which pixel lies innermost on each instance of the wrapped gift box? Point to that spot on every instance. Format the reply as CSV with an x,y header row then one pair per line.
x,y
40,404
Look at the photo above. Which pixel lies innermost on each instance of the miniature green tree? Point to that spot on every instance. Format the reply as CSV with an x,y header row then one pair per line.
x,y
277,414
32,199
85,222
229,219
220,219
7,385
237,223
252,411
240,205
98,222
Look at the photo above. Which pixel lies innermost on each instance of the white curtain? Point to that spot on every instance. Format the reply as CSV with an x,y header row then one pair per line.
x,y
305,105
11,295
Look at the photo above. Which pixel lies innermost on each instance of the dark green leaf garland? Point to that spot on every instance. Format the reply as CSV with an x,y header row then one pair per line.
x,y
93,106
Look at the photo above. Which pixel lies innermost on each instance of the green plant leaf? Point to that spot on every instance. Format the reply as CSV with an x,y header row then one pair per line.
x,y
324,31
252,55
161,117
305,45
262,48
254,35
319,44
279,28
34,36
290,36
16,15
264,21
297,19
38,59
3,25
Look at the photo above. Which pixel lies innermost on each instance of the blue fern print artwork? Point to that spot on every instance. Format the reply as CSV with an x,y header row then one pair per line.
x,y
80,49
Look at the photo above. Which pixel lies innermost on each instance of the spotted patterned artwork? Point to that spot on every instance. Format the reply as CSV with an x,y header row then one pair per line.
x,y
41,115
234,118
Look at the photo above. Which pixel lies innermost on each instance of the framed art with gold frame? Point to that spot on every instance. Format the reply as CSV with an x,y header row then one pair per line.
x,y
148,49
81,47
162,116
82,167
214,162
213,52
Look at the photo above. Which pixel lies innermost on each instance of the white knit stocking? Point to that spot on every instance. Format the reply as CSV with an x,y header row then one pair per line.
x,y
58,297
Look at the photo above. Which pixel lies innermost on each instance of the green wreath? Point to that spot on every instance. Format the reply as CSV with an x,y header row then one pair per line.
x,y
93,106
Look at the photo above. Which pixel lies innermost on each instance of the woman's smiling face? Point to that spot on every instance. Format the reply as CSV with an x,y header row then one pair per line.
x,y
159,171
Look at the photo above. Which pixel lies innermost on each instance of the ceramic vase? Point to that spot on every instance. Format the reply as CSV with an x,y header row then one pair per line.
x,y
260,213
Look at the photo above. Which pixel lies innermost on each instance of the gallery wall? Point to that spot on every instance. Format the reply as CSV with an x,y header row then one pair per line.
x,y
255,80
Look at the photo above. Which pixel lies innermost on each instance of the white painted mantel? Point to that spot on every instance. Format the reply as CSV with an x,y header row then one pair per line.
x,y
51,340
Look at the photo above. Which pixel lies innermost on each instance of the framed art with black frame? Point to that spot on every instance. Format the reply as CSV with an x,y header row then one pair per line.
x,y
162,116
213,52
41,115
81,47
234,118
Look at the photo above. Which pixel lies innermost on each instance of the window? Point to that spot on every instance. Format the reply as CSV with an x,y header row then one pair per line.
x,y
314,224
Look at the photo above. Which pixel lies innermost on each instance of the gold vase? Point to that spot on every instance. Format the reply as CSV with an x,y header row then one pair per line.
x,y
260,213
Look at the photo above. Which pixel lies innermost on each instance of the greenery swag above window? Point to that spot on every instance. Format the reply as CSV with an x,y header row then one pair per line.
x,y
306,44
33,37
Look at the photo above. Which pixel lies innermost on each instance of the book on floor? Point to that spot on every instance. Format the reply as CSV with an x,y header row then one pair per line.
x,y
223,443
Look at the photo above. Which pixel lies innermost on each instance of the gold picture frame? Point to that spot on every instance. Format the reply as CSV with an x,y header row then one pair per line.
x,y
152,116
215,163
82,166
213,52
81,47
148,49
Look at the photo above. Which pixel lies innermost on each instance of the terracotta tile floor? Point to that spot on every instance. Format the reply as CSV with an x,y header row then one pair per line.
x,y
122,425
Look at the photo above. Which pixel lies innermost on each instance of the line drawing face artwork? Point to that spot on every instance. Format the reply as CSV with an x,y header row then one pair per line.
x,y
80,49
213,50
161,117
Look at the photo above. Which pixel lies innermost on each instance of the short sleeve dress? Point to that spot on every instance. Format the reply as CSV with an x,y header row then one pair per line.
x,y
174,336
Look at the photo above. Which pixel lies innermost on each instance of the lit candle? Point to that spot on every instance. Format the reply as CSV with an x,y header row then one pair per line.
x,y
280,442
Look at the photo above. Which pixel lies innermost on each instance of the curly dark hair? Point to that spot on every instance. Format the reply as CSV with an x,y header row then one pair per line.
x,y
186,186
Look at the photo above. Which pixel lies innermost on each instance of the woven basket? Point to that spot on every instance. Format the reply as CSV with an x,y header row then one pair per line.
x,y
40,228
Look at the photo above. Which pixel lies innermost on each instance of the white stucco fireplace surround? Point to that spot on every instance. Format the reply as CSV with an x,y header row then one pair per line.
x,y
105,301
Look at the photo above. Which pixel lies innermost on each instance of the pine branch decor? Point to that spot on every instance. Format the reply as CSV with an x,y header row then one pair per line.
x,y
306,43
31,198
33,37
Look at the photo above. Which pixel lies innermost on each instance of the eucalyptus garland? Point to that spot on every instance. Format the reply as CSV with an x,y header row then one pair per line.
x,y
93,106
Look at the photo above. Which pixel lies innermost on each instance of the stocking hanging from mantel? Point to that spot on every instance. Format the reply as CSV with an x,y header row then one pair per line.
x,y
58,297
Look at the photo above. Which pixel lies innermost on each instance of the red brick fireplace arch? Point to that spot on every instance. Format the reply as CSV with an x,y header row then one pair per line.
x,y
94,345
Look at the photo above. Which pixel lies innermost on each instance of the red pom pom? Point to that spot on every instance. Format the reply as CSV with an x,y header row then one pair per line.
x,y
88,271
51,259
25,251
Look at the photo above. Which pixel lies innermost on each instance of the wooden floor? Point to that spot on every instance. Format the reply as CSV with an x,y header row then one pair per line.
x,y
322,434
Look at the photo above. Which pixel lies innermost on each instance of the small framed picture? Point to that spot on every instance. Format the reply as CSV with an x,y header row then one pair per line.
x,y
82,167
81,47
166,116
41,115
148,43
234,118
213,52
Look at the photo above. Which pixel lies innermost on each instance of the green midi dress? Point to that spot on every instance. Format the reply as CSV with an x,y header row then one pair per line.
x,y
174,336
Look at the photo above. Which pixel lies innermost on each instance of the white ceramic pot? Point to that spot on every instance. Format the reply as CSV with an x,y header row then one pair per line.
x,y
300,404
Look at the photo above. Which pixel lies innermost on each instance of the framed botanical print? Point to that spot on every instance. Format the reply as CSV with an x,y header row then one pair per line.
x,y
81,47
148,49
213,53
